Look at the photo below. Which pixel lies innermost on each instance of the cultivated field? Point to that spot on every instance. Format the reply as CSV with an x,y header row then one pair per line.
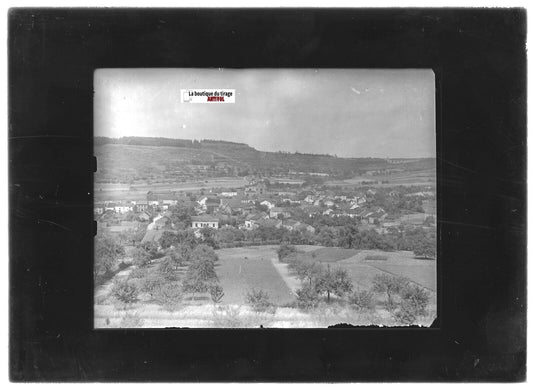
x,y
137,191
242,269
406,178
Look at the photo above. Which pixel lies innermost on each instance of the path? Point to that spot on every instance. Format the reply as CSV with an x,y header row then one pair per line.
x,y
283,269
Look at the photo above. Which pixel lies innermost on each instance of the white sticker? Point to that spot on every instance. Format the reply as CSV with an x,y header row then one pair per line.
x,y
208,95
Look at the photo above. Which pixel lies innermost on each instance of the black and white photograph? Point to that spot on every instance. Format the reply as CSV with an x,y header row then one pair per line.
x,y
270,195
275,198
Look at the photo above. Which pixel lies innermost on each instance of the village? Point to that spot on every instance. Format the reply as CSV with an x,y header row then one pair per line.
x,y
261,204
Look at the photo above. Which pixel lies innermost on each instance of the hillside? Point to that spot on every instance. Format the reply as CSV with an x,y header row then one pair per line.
x,y
147,159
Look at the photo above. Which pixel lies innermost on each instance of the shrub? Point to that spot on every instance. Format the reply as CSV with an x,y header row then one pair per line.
x,y
415,297
217,293
168,269
362,300
375,257
168,295
125,292
138,272
413,304
227,317
335,281
201,274
131,320
309,271
140,257
390,285
285,250
307,297
150,283
259,300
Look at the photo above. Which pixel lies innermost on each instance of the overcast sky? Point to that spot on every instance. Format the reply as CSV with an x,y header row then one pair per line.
x,y
347,112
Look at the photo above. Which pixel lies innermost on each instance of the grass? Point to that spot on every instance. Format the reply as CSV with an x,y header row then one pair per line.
x,y
242,269
326,254
424,275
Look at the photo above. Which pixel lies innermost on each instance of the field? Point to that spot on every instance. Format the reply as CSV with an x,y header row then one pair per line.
x,y
242,269
406,178
137,191
365,264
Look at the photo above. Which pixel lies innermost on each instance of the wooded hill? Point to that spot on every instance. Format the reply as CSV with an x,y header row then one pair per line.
x,y
138,158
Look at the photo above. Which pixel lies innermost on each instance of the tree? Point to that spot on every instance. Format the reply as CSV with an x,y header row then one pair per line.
x,y
140,256
152,249
209,237
107,253
307,297
414,303
285,250
138,234
349,236
390,285
259,300
179,237
309,270
337,282
168,269
425,248
217,293
201,273
362,300
125,292
169,295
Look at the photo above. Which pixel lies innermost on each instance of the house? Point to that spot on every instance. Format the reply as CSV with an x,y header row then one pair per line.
x,y
228,194
99,209
202,201
211,204
329,203
123,208
290,224
291,200
312,210
204,221
276,211
414,218
258,188
269,223
231,205
251,220
141,206
374,216
310,199
354,206
160,222
268,204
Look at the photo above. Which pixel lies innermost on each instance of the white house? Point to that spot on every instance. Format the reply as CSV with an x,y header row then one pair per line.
x,y
204,221
268,204
123,208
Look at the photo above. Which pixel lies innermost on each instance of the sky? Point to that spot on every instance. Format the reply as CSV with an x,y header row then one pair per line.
x,y
343,112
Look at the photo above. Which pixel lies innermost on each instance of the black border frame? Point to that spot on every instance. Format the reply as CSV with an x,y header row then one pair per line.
x,y
478,56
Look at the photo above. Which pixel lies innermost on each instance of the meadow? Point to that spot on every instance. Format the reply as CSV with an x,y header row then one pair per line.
x,y
242,269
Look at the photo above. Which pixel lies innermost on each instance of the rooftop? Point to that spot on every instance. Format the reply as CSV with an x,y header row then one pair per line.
x,y
205,218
